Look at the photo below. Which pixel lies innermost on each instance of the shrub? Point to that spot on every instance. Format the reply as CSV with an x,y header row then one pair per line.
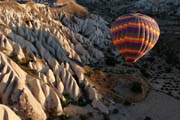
x,y
88,71
82,85
106,117
83,117
145,73
168,69
64,117
115,111
68,100
86,116
136,87
127,103
67,96
90,114
171,57
110,61
145,65
147,118
82,101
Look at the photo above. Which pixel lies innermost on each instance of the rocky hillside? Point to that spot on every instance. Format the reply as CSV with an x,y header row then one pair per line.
x,y
162,65
42,54
166,12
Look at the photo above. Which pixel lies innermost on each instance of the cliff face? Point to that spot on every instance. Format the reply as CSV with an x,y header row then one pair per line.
x,y
41,58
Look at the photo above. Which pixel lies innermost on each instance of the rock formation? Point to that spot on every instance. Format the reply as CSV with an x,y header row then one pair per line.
x,y
41,57
7,114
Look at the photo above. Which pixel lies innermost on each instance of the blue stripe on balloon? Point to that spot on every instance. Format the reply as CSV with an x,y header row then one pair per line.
x,y
130,54
130,45
131,30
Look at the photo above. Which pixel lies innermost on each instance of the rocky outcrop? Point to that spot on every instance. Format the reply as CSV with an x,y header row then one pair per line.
x,y
68,6
92,37
42,57
15,92
7,113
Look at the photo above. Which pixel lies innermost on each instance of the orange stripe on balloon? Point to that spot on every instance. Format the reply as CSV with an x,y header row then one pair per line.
x,y
136,15
133,40
131,50
125,50
130,37
135,25
130,59
146,18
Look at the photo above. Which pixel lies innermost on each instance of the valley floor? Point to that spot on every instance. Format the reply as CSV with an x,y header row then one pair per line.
x,y
157,106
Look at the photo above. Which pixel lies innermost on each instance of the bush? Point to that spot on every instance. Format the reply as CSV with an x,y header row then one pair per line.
x,y
136,87
83,117
168,69
90,114
64,117
110,61
171,56
115,111
145,65
145,73
82,102
88,71
106,117
147,118
127,103
67,96
68,100
82,85
86,116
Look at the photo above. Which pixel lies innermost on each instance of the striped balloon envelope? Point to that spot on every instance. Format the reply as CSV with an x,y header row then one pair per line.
x,y
134,35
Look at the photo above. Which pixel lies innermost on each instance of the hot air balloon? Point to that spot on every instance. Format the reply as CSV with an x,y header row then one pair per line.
x,y
134,35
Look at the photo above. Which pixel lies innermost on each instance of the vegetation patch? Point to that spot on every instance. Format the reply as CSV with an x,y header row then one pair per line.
x,y
168,69
136,87
88,71
145,73
106,117
147,118
82,101
64,117
68,100
127,103
86,116
115,111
